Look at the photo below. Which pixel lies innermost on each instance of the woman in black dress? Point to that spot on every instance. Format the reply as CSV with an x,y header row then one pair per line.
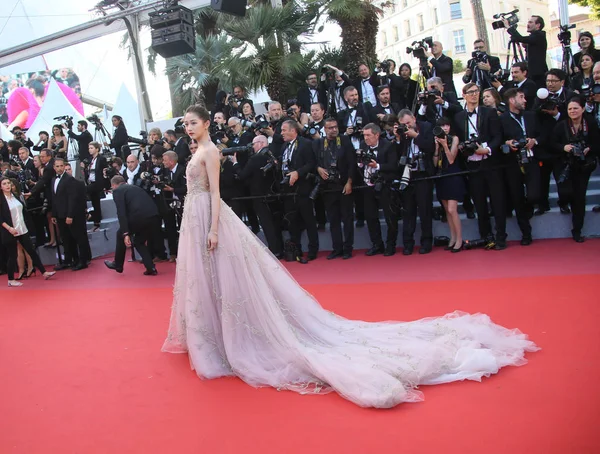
x,y
577,140
584,78
587,46
449,189
58,142
119,137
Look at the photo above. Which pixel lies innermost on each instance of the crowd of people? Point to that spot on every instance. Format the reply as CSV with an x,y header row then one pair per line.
x,y
339,153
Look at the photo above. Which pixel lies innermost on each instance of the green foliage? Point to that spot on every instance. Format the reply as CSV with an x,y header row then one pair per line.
x,y
593,4
459,66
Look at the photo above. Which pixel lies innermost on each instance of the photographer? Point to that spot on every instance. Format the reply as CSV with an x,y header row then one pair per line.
x,y
479,131
336,164
133,172
384,106
315,128
577,139
174,190
96,182
42,142
259,177
481,67
119,138
297,161
20,136
366,85
519,73
44,185
378,165
352,120
234,103
312,93
521,138
536,48
26,162
178,145
415,143
273,132
408,89
442,66
436,103
83,138
340,81
230,186
58,142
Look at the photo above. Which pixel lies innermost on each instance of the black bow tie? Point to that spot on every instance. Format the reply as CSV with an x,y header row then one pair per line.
x,y
58,176
470,114
351,109
373,148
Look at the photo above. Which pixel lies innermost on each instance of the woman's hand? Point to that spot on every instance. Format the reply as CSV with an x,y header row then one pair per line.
x,y
13,231
568,147
213,240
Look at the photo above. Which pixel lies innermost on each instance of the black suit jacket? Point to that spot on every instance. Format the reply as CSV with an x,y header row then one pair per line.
x,y
562,135
431,113
304,99
83,142
183,151
252,176
528,87
178,183
443,68
119,139
488,126
426,143
137,178
31,167
378,109
373,81
304,162
101,182
361,112
64,199
5,216
135,207
229,184
511,130
536,47
345,156
45,182
387,158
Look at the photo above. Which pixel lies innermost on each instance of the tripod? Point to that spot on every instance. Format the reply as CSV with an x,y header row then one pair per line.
x,y
101,135
567,54
422,77
517,51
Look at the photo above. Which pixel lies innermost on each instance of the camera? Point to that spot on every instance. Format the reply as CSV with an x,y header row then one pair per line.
x,y
384,66
511,17
577,157
310,129
428,96
564,36
143,141
67,119
179,128
365,156
328,72
233,150
271,161
417,48
469,146
357,128
590,90
260,123
547,100
521,146
439,132
95,120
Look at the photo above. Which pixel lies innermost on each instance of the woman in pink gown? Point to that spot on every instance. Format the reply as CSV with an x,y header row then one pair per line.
x,y
238,312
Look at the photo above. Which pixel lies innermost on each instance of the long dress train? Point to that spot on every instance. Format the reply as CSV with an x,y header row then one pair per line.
x,y
237,311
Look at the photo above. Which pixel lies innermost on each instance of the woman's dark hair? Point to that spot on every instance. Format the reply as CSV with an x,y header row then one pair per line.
x,y
243,104
200,111
220,97
59,128
444,121
588,35
37,84
118,117
14,145
405,65
590,56
5,178
578,99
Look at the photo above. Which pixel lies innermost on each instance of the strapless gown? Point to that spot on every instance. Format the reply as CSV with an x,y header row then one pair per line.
x,y
238,312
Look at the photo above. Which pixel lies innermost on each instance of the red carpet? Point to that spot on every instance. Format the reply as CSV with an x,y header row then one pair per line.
x,y
82,370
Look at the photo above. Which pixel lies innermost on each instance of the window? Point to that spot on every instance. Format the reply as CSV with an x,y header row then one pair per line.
x,y
455,12
395,32
435,16
407,28
459,41
384,39
420,22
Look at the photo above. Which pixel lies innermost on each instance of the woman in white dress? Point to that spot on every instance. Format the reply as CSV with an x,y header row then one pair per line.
x,y
238,312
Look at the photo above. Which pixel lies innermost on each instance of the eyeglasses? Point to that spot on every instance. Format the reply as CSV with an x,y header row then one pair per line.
x,y
553,81
471,92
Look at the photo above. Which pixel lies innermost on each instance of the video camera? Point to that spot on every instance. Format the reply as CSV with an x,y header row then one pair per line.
x,y
67,119
511,17
384,66
95,120
418,48
233,150
564,36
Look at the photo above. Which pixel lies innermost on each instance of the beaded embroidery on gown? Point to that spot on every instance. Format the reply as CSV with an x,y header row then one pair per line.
x,y
238,312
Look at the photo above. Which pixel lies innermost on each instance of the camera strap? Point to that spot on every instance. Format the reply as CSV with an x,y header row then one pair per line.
x,y
584,128
473,125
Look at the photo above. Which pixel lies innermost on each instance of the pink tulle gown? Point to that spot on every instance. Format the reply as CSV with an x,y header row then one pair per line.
x,y
238,312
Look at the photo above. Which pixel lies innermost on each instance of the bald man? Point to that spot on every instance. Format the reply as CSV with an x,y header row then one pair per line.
x,y
442,66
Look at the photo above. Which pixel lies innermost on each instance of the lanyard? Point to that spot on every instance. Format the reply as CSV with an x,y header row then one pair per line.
x,y
521,124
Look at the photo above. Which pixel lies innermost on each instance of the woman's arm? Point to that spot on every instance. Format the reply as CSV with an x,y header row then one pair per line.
x,y
453,151
213,169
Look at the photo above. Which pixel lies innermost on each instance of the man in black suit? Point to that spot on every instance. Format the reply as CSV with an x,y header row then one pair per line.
x,y
138,218
275,115
133,171
179,145
174,190
260,183
68,212
297,161
416,146
83,138
384,106
377,174
442,66
432,108
351,120
310,94
517,124
366,85
481,66
536,47
520,80
336,165
27,162
483,125
340,82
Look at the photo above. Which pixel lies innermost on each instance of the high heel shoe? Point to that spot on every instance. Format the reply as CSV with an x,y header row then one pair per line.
x,y
48,274
460,248
21,276
31,272
449,247
14,284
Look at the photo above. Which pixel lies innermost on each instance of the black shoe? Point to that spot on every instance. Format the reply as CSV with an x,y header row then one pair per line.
x,y
374,251
455,250
565,209
301,259
112,266
334,255
539,212
408,250
151,272
596,209
577,237
500,245
449,247
526,241
312,256
62,266
360,223
347,255
389,251
425,250
78,267
470,215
